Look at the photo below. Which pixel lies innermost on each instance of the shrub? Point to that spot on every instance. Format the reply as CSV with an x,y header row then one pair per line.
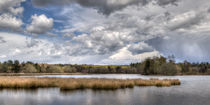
x,y
28,68
54,69
69,69
168,69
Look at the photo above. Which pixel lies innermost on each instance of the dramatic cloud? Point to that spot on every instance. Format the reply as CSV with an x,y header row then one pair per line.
x,y
40,24
104,6
125,33
106,35
104,31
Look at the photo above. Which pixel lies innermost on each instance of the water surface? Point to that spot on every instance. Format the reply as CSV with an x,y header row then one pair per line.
x,y
194,90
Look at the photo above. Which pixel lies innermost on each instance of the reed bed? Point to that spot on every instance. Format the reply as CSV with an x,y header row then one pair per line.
x,y
72,83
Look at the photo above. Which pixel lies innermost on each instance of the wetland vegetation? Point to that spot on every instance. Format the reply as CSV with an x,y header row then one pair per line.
x,y
81,83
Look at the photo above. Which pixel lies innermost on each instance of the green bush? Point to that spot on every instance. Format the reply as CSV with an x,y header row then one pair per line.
x,y
54,69
69,69
28,68
168,69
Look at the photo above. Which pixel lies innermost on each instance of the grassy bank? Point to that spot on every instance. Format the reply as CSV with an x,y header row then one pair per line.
x,y
38,74
72,84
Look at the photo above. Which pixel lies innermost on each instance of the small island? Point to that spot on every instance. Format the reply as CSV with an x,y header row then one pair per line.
x,y
81,83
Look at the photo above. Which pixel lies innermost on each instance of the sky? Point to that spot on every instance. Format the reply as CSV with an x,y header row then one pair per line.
x,y
104,31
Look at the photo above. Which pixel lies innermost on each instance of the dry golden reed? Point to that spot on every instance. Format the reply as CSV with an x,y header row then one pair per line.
x,y
82,83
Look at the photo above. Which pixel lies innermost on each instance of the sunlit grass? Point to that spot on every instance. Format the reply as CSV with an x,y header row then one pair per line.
x,y
72,83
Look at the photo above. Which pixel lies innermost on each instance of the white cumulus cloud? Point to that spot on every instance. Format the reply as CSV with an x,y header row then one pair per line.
x,y
8,21
40,24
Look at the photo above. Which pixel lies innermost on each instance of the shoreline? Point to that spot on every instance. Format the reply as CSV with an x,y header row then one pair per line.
x,y
38,74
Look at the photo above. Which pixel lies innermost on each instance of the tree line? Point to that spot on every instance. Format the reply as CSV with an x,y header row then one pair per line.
x,y
30,67
163,66
151,66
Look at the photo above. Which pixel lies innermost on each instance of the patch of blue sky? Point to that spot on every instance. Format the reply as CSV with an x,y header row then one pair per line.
x,y
50,12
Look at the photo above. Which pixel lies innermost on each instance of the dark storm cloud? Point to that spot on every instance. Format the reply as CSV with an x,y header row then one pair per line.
x,y
194,48
103,6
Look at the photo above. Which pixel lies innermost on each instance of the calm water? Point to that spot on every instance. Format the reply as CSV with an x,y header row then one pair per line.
x,y
194,90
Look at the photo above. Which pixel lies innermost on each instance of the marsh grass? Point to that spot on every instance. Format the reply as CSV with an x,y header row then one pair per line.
x,y
72,83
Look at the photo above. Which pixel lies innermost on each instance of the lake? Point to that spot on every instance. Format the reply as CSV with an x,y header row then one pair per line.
x,y
194,90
